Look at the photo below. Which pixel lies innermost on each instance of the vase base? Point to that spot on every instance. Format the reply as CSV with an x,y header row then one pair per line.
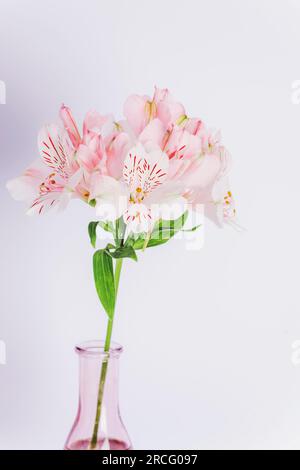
x,y
103,444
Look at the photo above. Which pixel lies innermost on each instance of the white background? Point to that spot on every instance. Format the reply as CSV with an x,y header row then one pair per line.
x,y
208,335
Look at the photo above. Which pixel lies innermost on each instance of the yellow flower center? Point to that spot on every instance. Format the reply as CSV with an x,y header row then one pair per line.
x,y
137,196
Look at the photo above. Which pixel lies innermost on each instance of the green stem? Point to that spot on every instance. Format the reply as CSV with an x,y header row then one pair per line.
x,y
119,263
94,440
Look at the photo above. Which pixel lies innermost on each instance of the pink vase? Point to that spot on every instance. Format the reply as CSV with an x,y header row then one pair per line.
x,y
112,434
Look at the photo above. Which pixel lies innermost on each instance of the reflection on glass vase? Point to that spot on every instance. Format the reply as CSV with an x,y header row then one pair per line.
x,y
98,424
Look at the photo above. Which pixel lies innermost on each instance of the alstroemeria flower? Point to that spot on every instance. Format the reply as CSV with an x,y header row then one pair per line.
x,y
52,180
189,162
152,196
222,208
140,110
226,211
143,195
211,188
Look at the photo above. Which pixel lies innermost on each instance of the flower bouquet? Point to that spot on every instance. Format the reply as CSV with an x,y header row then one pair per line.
x,y
143,176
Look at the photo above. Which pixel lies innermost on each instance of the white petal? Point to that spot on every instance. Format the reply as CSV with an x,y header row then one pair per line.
x,y
153,170
20,190
55,149
222,207
64,200
155,156
167,202
146,167
138,219
170,209
131,170
111,197
75,179
26,186
43,203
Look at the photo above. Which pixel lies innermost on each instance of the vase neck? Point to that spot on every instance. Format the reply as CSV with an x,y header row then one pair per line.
x,y
89,375
91,359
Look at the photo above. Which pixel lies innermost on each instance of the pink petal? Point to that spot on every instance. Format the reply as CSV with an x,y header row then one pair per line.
x,y
116,152
95,125
169,113
205,173
168,110
153,132
135,112
70,125
87,157
194,126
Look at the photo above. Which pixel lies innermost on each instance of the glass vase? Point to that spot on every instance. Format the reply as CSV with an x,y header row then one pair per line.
x,y
112,434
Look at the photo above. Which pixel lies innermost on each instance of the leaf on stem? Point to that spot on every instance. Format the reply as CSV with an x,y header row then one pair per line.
x,y
124,252
163,231
104,280
107,226
120,231
92,232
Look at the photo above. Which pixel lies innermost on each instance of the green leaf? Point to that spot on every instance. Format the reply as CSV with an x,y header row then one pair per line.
x,y
124,252
119,231
107,226
163,231
92,232
104,280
